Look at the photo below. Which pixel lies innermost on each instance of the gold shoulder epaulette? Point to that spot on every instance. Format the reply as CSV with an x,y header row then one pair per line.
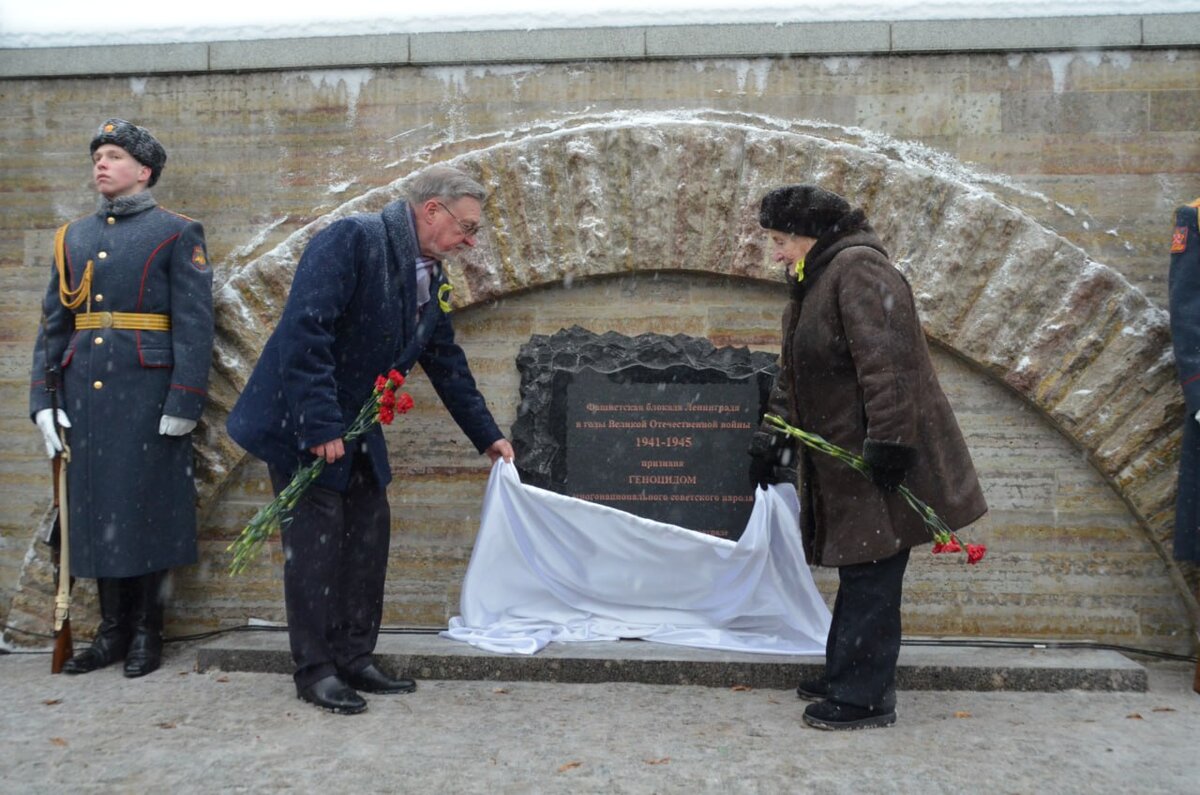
x,y
184,217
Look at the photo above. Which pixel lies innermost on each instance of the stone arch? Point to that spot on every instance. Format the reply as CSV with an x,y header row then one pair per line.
x,y
602,195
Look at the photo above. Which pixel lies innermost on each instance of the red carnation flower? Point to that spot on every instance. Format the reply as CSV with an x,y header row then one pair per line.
x,y
975,552
950,546
380,407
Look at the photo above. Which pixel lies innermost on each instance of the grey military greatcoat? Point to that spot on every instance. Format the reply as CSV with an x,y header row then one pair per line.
x,y
131,493
1184,297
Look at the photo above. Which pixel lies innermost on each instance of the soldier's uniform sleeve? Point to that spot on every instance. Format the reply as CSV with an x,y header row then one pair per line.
x,y
191,324
54,332
1184,300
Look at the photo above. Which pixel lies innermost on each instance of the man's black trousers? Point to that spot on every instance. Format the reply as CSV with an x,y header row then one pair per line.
x,y
335,563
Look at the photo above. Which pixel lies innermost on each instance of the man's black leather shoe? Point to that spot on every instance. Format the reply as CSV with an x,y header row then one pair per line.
x,y
373,680
333,694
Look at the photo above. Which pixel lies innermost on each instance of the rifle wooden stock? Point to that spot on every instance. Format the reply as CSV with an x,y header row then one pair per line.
x,y
1196,677
63,647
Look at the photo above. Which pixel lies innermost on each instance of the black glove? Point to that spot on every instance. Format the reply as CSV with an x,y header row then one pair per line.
x,y
889,462
772,459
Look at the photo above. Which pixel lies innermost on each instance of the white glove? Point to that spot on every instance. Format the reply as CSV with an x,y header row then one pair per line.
x,y
45,422
1198,416
175,426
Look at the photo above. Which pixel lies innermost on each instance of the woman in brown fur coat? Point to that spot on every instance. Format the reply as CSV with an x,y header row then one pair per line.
x,y
855,369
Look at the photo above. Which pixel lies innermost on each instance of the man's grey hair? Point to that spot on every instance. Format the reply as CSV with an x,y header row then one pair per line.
x,y
442,182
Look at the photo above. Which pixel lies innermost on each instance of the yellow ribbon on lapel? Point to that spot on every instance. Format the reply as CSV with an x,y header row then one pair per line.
x,y
443,298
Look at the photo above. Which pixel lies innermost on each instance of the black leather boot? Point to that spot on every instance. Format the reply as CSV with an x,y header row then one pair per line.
x,y
145,650
112,637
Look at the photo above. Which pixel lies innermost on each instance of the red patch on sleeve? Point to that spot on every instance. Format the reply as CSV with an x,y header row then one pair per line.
x,y
1179,239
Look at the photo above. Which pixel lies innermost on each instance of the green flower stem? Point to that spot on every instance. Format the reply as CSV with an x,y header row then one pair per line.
x,y
938,529
274,515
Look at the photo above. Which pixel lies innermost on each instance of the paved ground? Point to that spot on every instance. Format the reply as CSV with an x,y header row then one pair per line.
x,y
178,730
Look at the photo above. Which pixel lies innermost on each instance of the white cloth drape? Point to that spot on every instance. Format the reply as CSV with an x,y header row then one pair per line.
x,y
547,567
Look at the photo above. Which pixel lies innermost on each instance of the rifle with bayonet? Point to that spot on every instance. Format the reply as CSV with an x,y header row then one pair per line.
x,y
56,535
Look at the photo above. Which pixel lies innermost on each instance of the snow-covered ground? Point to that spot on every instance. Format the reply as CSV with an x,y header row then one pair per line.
x,y
82,22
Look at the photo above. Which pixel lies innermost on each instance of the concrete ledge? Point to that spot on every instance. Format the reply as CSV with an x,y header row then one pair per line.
x,y
633,43
1049,33
684,41
314,53
1164,30
523,46
428,656
118,59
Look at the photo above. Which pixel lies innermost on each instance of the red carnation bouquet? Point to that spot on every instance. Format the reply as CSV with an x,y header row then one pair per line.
x,y
381,407
944,539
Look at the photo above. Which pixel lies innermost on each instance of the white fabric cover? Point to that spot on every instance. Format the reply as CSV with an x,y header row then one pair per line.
x,y
547,567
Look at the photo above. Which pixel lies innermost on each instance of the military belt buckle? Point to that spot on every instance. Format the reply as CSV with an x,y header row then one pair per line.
x,y
106,319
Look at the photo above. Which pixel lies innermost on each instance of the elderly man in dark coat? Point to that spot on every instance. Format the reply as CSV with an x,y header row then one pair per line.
x,y
855,369
366,298
128,323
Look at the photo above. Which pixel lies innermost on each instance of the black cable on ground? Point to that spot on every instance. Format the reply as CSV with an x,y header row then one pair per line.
x,y
210,634
935,642
1048,644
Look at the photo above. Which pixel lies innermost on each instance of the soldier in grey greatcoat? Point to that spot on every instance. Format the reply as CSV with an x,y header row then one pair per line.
x,y
125,340
1184,298
855,369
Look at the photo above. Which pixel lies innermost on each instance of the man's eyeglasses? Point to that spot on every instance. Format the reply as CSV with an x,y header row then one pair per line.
x,y
468,229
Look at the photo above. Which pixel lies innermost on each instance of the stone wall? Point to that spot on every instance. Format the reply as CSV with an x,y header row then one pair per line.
x,y
623,200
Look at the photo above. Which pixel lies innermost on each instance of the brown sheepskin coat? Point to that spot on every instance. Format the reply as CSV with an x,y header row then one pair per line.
x,y
855,367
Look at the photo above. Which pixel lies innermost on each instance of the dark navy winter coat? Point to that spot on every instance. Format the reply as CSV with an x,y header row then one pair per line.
x,y
1184,297
350,317
130,491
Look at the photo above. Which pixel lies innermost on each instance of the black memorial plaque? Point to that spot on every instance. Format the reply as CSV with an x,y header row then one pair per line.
x,y
656,426
665,450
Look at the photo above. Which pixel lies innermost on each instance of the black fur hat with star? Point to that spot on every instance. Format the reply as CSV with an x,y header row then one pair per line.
x,y
804,210
137,141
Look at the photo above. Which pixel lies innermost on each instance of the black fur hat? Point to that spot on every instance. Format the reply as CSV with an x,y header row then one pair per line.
x,y
804,210
137,141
